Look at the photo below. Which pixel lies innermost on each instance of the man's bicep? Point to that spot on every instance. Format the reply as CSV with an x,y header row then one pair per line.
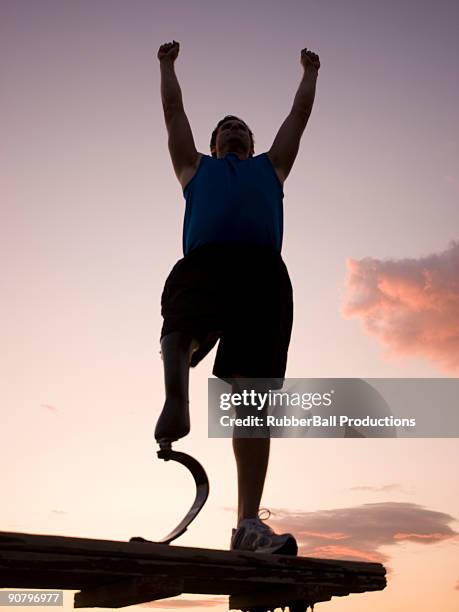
x,y
181,142
287,142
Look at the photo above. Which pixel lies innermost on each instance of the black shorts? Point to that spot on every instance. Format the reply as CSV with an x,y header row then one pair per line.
x,y
238,293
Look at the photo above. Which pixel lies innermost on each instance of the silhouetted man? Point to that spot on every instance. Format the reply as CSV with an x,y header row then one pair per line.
x,y
232,284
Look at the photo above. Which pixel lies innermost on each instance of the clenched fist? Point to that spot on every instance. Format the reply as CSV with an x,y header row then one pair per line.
x,y
169,51
309,59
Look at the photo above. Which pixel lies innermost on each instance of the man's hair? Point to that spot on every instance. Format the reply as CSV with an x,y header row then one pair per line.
x,y
213,138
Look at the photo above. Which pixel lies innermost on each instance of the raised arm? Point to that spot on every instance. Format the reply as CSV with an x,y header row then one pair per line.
x,y
287,142
181,143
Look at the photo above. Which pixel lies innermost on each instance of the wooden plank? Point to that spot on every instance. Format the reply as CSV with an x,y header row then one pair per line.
x,y
165,552
77,570
117,572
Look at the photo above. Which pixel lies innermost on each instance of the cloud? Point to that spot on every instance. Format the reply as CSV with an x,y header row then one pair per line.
x,y
360,532
457,586
50,408
174,603
410,305
452,180
384,488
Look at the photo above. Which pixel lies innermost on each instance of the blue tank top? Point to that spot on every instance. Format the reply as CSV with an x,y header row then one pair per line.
x,y
233,200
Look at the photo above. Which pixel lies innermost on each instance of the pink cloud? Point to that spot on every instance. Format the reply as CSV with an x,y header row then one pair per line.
x,y
50,408
410,305
382,488
325,536
452,180
427,538
360,532
175,603
346,552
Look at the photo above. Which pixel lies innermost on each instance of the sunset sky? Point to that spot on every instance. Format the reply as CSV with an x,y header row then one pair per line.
x,y
92,219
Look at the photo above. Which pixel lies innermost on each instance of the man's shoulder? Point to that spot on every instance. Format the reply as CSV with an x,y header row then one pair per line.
x,y
190,171
272,163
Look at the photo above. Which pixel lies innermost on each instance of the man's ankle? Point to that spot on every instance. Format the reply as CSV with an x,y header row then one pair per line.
x,y
245,517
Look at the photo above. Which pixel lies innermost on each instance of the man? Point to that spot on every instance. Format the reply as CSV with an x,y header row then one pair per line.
x,y
232,284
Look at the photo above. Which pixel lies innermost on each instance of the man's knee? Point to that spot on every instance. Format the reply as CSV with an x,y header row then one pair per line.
x,y
178,342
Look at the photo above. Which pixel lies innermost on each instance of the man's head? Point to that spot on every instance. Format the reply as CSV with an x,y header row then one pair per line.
x,y
232,135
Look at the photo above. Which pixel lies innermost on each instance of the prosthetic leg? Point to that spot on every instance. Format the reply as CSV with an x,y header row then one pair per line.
x,y
174,422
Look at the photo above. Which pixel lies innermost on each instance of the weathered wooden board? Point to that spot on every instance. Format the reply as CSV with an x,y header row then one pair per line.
x,y
116,574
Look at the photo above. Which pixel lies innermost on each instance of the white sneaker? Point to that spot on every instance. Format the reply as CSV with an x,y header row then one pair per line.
x,y
255,536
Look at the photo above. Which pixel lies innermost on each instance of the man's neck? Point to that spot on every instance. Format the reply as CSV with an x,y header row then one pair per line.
x,y
241,154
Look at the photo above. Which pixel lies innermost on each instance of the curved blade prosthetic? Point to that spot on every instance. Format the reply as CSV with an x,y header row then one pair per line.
x,y
202,490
